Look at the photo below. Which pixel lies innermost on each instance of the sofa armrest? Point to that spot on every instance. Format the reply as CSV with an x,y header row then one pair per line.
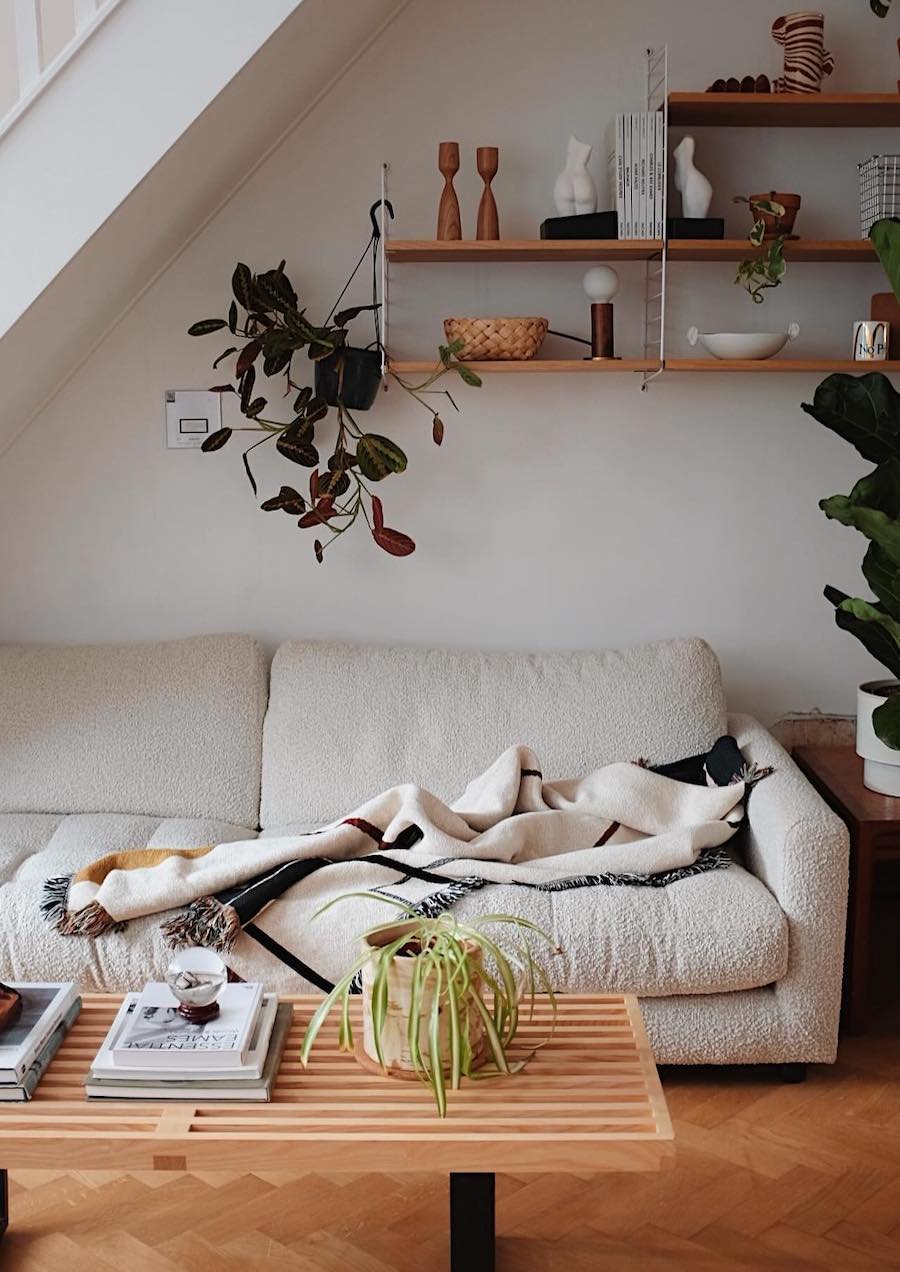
x,y
800,849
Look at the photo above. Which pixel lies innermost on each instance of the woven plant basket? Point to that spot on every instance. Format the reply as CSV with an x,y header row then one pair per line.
x,y
496,339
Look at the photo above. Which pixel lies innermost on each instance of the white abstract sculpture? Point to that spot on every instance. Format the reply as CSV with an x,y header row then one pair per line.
x,y
695,190
574,192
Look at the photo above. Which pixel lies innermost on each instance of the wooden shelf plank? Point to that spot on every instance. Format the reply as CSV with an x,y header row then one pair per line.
x,y
819,366
537,366
847,250
785,110
430,250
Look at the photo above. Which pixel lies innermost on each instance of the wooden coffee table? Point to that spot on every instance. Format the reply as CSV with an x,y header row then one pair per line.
x,y
590,1101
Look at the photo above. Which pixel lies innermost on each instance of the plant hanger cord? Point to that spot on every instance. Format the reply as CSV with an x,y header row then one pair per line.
x,y
373,244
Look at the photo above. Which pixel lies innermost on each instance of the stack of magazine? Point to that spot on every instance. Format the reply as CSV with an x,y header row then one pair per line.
x,y
637,162
28,1046
152,1052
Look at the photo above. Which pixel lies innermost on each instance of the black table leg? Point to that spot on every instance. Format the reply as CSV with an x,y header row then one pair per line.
x,y
4,1202
472,1223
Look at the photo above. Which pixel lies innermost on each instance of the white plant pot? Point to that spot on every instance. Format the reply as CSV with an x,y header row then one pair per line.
x,y
881,767
395,1035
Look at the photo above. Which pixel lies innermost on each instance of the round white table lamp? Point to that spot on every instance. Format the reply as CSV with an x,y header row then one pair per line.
x,y
601,282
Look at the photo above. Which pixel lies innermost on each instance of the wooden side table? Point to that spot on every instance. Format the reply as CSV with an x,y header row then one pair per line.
x,y
874,824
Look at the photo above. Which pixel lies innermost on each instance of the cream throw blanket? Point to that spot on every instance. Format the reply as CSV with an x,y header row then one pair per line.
x,y
509,826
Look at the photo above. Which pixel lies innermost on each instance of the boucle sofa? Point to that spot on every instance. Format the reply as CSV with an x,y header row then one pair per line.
x,y
184,743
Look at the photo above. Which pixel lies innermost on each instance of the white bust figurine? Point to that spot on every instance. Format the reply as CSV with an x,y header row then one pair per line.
x,y
574,192
695,190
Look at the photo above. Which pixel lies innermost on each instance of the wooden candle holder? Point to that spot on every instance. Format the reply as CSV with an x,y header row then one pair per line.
x,y
448,223
487,160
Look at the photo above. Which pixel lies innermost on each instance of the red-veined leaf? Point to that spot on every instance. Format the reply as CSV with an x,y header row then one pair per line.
x,y
394,541
377,513
216,440
249,354
206,325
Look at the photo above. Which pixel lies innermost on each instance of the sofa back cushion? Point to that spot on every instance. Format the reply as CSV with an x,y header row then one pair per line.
x,y
346,721
171,729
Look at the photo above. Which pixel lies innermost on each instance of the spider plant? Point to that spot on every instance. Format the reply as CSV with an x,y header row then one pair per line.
x,y
448,1021
757,273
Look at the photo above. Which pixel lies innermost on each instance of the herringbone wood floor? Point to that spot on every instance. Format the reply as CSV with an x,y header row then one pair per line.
x,y
768,1177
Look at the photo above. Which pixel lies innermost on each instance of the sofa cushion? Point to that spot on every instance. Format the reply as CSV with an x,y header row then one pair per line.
x,y
346,721
35,847
165,729
714,932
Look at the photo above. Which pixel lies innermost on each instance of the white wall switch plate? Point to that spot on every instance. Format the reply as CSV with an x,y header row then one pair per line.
x,y
191,416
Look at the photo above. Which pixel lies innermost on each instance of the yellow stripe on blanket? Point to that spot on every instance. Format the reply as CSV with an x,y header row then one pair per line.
x,y
134,859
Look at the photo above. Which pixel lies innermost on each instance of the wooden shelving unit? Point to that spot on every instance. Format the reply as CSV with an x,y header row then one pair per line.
x,y
428,251
568,366
732,110
431,251
816,366
785,110
538,366
850,251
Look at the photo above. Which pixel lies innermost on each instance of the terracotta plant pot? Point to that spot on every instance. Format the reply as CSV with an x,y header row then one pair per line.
x,y
776,225
394,1040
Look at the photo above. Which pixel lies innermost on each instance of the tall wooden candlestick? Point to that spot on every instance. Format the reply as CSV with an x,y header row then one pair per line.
x,y
487,159
448,223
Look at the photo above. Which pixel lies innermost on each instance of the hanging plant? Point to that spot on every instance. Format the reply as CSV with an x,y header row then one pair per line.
x,y
758,273
271,327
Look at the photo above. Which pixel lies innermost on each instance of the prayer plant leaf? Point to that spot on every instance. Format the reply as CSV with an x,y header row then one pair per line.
x,y
378,456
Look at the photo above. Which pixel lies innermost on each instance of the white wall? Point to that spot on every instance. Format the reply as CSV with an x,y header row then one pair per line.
x,y
561,512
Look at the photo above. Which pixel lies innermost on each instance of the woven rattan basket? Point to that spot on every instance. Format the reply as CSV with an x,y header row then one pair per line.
x,y
496,339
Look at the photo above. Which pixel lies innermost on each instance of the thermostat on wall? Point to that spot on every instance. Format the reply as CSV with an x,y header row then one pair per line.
x,y
191,416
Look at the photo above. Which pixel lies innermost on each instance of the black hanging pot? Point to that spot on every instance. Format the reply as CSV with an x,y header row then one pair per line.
x,y
349,377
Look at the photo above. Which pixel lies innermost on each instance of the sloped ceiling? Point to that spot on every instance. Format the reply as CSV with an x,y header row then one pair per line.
x,y
316,45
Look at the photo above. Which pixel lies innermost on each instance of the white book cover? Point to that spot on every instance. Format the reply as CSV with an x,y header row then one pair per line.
x,y
660,231
625,231
651,176
43,1007
156,1035
643,182
104,1065
635,172
619,174
229,1084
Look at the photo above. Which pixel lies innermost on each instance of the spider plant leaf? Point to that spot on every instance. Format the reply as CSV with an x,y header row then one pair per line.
x,y
453,1024
320,1015
434,1043
494,1041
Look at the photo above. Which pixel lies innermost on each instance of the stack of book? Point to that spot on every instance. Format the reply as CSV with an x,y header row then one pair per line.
x,y
28,1046
638,174
152,1052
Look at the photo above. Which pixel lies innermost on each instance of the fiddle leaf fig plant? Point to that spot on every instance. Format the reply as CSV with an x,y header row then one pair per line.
x,y
269,327
865,411
758,273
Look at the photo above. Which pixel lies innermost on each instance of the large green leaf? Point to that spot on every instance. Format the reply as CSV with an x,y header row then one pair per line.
x,y
869,625
885,236
864,410
378,456
886,720
880,489
883,577
874,524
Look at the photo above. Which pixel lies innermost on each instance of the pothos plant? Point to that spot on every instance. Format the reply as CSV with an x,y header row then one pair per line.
x,y
758,273
270,327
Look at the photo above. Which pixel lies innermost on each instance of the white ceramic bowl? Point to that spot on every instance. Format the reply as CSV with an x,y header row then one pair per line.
x,y
753,345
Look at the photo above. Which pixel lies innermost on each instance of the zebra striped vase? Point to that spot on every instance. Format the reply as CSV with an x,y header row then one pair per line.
x,y
806,60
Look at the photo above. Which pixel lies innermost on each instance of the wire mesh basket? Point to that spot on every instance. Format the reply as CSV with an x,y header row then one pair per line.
x,y
879,190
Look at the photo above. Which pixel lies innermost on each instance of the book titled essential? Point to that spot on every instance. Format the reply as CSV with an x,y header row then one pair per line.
x,y
25,1089
155,1035
253,1082
43,1007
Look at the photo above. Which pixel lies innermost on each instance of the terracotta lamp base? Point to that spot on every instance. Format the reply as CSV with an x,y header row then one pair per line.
x,y
10,1006
199,1015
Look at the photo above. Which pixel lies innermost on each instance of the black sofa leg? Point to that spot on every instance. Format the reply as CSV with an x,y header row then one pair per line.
x,y
792,1072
